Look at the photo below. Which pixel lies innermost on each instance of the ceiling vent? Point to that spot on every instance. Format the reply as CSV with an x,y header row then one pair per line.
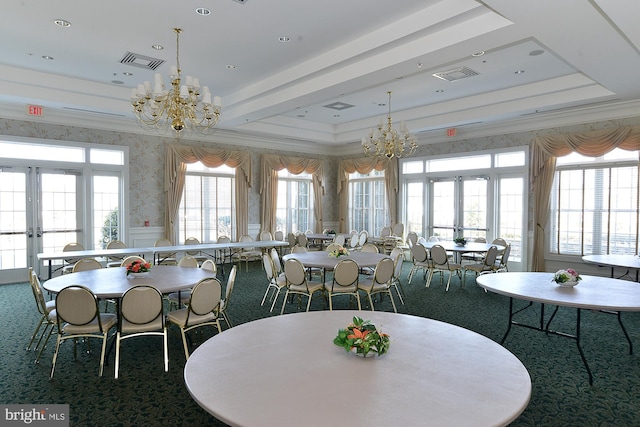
x,y
240,1
456,74
141,61
338,106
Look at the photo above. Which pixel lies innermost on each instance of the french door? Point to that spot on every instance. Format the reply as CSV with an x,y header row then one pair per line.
x,y
40,211
459,207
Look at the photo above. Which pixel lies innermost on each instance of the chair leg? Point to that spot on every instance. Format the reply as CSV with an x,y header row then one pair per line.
x,y
393,304
117,367
55,357
45,342
35,333
449,281
358,299
284,302
184,344
370,301
165,349
275,298
103,352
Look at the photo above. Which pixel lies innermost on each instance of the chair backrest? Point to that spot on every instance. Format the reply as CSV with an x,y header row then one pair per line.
x,y
345,273
205,296
279,235
503,261
434,239
370,247
339,239
188,261
332,247
439,255
299,249
294,272
397,264
130,259
419,253
499,241
116,244
480,240
384,271
353,241
71,247
292,239
385,232
140,305
209,265
85,264
277,264
163,242
266,235
231,280
302,240
398,229
224,239
395,252
245,238
422,241
267,264
77,305
191,241
36,288
362,237
490,258
412,238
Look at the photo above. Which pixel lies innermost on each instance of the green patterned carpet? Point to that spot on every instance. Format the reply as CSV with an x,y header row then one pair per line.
x,y
147,396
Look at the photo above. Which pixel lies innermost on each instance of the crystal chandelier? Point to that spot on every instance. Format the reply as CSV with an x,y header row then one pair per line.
x,y
180,105
387,142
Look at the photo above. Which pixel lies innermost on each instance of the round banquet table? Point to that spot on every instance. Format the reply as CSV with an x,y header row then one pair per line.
x,y
286,371
630,262
113,282
321,259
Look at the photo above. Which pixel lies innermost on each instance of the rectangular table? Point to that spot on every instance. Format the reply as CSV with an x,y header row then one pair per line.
x,y
154,250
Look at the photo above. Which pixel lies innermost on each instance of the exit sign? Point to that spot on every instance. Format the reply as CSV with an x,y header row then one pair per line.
x,y
451,132
35,110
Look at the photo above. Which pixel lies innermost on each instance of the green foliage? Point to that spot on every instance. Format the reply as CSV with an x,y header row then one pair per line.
x,y
110,228
363,336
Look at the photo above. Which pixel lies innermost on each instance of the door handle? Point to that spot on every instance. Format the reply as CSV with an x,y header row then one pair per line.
x,y
38,232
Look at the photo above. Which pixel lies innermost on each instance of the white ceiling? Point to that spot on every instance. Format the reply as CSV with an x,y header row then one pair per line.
x,y
579,60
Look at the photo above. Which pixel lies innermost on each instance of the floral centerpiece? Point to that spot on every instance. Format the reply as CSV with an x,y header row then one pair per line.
x,y
337,253
138,267
329,231
568,277
363,338
460,241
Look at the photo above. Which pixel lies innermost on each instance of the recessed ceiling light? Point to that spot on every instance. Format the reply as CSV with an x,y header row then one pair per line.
x,y
440,91
126,73
203,11
283,39
336,115
536,52
158,47
478,53
519,72
231,67
419,64
62,23
47,57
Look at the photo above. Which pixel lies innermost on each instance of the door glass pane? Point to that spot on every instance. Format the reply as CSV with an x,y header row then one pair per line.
x,y
443,209
106,212
13,220
415,204
511,195
474,204
58,210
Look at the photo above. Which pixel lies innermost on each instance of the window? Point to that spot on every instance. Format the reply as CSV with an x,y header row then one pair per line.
x,y
368,202
294,211
207,209
594,204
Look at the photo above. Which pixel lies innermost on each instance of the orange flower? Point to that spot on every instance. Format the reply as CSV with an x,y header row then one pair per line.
x,y
357,333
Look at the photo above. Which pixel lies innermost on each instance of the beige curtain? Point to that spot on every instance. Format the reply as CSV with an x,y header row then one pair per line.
x,y
364,166
546,149
270,166
175,170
